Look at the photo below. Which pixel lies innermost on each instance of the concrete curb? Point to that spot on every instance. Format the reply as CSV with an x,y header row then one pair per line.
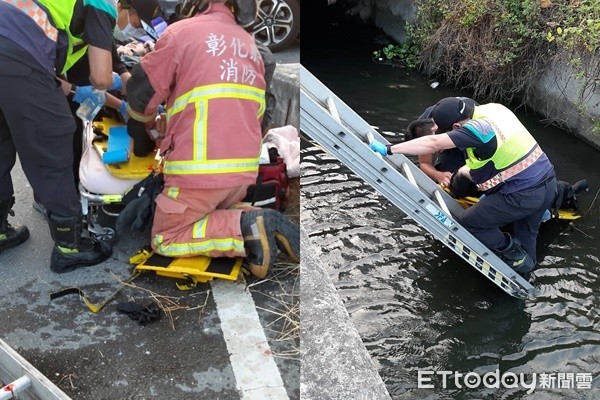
x,y
335,363
286,89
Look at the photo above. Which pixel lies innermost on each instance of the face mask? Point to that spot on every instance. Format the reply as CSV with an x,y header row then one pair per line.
x,y
129,32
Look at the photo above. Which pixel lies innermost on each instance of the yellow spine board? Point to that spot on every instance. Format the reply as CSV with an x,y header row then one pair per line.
x,y
567,215
135,167
198,269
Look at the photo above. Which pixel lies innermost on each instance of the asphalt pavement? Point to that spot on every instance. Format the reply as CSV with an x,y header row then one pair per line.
x,y
220,340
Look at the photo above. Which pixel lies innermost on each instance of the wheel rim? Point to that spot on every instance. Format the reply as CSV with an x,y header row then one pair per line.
x,y
273,23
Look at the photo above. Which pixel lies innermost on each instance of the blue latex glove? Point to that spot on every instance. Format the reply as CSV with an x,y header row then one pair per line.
x,y
123,110
161,109
117,82
378,147
82,93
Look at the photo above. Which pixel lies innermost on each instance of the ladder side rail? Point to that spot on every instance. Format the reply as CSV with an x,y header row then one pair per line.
x,y
483,260
13,365
315,89
394,186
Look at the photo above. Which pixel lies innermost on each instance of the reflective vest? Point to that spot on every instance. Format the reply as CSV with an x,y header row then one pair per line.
x,y
58,22
513,140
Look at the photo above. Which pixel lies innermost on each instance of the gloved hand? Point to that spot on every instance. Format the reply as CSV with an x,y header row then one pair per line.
x,y
117,82
378,147
160,109
123,110
82,93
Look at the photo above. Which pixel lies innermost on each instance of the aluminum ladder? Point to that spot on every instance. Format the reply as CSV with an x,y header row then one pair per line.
x,y
332,124
22,380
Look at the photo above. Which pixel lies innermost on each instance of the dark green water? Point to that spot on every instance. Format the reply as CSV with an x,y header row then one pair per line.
x,y
418,306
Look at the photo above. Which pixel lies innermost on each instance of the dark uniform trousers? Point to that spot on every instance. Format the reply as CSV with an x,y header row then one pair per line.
x,y
524,209
36,123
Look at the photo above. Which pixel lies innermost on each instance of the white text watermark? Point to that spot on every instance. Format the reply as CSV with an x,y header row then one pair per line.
x,y
508,380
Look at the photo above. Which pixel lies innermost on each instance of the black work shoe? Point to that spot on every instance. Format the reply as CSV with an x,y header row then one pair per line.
x,y
264,232
12,237
516,258
88,252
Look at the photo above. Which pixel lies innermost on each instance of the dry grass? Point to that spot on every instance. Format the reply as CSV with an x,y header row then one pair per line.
x,y
70,377
286,325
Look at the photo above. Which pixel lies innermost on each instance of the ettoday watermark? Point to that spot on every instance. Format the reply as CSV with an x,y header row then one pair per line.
x,y
507,380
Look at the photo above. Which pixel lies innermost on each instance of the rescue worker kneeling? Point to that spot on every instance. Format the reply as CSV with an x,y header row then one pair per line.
x,y
506,163
211,75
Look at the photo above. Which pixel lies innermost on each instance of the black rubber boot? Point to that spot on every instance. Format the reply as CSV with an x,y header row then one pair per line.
x,y
142,144
10,236
264,232
517,258
70,249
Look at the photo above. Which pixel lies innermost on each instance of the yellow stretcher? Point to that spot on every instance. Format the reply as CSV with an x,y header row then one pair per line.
x,y
101,184
199,269
194,270
135,167
566,215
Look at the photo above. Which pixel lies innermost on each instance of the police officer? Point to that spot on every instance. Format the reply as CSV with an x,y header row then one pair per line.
x,y
40,39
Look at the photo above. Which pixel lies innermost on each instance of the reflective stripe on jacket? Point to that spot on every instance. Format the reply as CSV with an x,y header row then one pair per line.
x,y
54,17
215,92
200,98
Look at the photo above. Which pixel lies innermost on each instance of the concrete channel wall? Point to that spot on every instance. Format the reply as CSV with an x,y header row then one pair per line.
x,y
335,363
286,89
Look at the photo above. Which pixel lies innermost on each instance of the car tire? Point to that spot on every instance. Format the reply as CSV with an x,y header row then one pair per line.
x,y
277,23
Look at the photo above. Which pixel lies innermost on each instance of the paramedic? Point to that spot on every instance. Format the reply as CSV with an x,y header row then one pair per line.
x,y
130,16
505,162
215,92
38,40
79,74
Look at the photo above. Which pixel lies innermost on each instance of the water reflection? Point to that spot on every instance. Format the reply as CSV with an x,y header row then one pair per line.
x,y
415,303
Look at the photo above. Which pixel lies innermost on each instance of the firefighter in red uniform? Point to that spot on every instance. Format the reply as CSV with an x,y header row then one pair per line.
x,y
208,70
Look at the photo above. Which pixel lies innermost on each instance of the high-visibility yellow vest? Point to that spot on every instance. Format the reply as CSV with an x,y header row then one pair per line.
x,y
513,140
61,12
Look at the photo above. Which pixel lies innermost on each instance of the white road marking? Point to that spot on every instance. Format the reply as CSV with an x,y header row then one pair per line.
x,y
256,373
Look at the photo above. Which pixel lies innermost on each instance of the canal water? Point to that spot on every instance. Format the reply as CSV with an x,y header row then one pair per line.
x,y
418,306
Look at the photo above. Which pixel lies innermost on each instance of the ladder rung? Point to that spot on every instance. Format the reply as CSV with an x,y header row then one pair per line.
x,y
333,109
441,202
409,175
14,388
